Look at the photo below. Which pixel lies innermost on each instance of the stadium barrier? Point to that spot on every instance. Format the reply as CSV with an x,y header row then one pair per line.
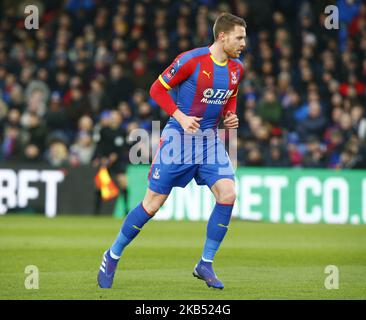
x,y
263,194
290,195
34,188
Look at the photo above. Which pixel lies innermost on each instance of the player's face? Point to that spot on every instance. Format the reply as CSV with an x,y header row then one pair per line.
x,y
234,42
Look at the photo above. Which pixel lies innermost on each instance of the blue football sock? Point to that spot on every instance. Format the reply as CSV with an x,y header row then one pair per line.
x,y
216,229
208,265
132,225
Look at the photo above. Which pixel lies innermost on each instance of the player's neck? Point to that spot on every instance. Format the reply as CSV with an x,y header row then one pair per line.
x,y
218,53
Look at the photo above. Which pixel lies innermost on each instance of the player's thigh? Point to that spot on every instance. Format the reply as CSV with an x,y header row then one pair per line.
x,y
153,201
224,191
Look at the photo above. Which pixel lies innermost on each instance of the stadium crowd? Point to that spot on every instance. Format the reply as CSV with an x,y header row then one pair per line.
x,y
84,76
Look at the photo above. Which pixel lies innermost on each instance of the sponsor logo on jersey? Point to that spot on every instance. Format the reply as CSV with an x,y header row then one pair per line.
x,y
216,96
208,93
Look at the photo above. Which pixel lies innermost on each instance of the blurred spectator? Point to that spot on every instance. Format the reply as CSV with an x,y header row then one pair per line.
x,y
144,116
277,158
58,154
334,148
32,154
358,121
270,109
127,116
77,106
11,146
254,158
119,87
314,156
56,117
36,133
85,124
353,156
277,155
82,151
295,155
314,124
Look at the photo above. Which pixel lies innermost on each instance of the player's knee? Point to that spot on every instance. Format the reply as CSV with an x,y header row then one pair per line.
x,y
227,197
153,201
151,207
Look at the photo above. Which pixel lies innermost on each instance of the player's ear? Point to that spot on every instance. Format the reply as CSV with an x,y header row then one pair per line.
x,y
221,36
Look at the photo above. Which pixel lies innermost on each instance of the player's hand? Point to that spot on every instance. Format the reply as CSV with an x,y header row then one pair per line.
x,y
231,121
190,124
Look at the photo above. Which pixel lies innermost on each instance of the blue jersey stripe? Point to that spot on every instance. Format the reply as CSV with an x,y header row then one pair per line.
x,y
185,100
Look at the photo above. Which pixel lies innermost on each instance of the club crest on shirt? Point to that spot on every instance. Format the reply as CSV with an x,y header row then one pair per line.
x,y
234,78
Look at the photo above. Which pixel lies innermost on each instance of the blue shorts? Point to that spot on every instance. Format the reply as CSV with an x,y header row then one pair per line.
x,y
181,158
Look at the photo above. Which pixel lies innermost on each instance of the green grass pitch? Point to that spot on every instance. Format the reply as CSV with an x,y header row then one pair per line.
x,y
256,260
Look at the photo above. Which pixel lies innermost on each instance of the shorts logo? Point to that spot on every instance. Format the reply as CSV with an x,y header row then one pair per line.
x,y
156,174
234,78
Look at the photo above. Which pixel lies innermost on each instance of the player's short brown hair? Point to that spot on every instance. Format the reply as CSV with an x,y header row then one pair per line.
x,y
225,22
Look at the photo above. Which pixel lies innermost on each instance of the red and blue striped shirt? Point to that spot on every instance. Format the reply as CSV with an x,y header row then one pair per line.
x,y
201,86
